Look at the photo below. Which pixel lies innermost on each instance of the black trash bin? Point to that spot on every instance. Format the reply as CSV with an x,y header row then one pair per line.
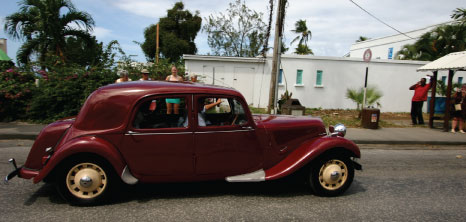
x,y
370,118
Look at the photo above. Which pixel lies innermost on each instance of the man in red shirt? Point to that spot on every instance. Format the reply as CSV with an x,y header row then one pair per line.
x,y
420,95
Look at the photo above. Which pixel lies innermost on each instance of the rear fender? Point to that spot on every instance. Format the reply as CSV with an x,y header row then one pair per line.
x,y
309,151
88,144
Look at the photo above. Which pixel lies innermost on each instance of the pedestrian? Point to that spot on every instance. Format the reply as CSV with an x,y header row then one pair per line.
x,y
420,95
123,76
145,75
459,109
173,104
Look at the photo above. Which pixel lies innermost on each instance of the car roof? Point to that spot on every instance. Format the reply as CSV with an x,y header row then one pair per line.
x,y
109,106
143,88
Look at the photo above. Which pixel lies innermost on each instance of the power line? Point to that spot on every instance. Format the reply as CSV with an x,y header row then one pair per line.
x,y
380,20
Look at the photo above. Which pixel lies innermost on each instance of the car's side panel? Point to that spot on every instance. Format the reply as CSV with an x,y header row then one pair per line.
x,y
307,152
86,144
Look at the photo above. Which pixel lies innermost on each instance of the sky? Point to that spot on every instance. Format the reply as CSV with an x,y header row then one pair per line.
x,y
335,24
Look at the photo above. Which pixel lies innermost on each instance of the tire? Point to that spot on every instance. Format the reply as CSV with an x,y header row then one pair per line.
x,y
86,181
331,175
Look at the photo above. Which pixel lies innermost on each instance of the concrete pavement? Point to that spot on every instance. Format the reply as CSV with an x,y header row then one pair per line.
x,y
407,135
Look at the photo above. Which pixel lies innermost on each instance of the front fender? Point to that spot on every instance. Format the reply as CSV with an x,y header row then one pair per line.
x,y
87,144
307,152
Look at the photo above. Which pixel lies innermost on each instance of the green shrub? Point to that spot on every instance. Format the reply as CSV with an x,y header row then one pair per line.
x,y
63,90
16,90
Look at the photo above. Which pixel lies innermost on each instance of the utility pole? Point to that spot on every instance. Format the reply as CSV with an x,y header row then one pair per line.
x,y
157,47
276,59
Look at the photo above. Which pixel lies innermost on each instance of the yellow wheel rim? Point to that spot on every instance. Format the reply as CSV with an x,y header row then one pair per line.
x,y
86,180
333,174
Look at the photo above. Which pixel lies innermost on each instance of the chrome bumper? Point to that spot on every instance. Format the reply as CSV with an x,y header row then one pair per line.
x,y
14,173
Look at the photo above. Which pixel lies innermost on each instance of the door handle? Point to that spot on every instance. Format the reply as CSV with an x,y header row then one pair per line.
x,y
247,127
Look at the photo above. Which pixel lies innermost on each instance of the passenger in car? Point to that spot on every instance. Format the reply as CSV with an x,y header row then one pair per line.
x,y
202,121
173,104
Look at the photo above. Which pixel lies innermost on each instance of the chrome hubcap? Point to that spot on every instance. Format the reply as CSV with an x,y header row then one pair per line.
x,y
333,174
86,181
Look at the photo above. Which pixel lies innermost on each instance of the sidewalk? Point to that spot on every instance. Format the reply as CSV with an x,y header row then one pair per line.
x,y
400,136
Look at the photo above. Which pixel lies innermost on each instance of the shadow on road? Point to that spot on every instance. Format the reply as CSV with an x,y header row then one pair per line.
x,y
288,187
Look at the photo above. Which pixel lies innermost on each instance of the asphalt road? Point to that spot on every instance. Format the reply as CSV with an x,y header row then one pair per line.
x,y
396,185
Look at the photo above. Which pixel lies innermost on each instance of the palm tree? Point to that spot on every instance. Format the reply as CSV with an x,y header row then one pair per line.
x,y
459,15
357,95
304,34
44,29
303,50
436,43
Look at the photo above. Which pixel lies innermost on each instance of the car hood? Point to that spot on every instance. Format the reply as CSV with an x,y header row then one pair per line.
x,y
292,130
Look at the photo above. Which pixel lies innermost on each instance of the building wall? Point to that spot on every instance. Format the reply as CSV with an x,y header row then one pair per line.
x,y
380,46
252,79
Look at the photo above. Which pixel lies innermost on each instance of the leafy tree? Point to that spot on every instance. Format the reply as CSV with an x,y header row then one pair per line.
x,y
84,53
240,32
357,95
362,39
439,42
44,25
177,32
304,35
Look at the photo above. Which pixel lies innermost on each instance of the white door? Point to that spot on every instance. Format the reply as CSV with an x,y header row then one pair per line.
x,y
214,75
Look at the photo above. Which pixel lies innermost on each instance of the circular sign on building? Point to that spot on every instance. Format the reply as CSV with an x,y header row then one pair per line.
x,y
367,55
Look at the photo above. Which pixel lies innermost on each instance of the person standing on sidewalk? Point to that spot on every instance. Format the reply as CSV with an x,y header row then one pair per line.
x,y
420,95
458,109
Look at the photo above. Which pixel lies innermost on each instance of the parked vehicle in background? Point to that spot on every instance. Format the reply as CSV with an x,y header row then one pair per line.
x,y
123,134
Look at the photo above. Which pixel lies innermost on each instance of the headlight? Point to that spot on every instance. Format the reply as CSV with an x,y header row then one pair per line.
x,y
341,129
338,130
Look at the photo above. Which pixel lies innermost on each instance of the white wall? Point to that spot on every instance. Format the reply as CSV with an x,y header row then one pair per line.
x,y
392,77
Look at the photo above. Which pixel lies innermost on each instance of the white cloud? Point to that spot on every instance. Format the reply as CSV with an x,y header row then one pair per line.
x,y
146,8
101,33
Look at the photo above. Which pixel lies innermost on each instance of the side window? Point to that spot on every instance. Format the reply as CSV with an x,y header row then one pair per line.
x,y
220,112
161,112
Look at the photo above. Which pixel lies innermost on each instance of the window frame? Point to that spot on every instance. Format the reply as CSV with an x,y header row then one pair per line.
x,y
297,75
321,78
189,105
198,128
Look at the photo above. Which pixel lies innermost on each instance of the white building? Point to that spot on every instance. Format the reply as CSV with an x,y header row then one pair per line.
x,y
316,81
387,47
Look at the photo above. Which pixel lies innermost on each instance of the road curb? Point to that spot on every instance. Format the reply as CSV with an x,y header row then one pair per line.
x,y
391,142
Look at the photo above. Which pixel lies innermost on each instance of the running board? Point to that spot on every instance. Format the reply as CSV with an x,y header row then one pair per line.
x,y
256,176
127,177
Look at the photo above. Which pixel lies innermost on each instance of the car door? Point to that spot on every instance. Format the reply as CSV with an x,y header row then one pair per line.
x,y
227,143
157,143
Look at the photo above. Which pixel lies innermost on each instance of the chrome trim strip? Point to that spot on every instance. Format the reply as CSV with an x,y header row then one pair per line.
x,y
256,176
132,133
127,177
224,131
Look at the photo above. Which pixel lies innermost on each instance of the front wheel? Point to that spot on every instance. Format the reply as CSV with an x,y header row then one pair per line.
x,y
85,181
331,175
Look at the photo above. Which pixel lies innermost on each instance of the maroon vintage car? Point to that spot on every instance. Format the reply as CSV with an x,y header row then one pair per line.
x,y
150,132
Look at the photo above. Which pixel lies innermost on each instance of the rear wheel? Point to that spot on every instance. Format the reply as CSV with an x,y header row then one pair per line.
x,y
331,175
86,181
